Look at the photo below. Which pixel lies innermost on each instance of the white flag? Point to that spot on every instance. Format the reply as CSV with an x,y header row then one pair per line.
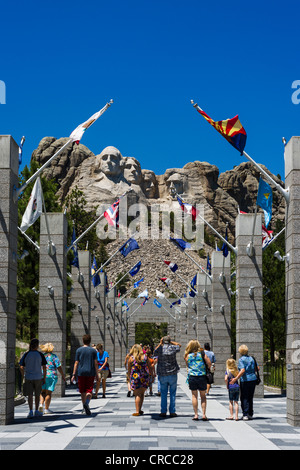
x,y
144,293
79,131
34,207
159,294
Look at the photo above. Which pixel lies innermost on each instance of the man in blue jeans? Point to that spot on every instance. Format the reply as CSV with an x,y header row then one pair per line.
x,y
167,369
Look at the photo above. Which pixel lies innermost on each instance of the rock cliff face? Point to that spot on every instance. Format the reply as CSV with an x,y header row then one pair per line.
x,y
106,176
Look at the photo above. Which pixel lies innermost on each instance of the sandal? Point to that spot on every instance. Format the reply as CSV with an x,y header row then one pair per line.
x,y
230,419
196,419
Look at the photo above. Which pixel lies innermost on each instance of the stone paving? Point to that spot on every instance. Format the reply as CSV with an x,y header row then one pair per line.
x,y
112,426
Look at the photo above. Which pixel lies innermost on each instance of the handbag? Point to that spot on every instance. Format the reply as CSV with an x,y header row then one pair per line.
x,y
209,375
109,372
258,380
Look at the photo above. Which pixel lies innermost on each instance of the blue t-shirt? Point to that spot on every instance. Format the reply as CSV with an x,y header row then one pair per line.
x,y
33,362
101,359
210,356
247,363
85,355
230,386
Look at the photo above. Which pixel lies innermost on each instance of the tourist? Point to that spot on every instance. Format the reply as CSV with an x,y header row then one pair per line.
x,y
210,354
139,369
127,374
33,365
53,365
152,377
247,376
197,362
86,367
103,369
167,370
233,389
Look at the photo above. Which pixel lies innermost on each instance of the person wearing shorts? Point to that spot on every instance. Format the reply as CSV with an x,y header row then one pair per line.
x,y
53,365
86,367
103,369
33,366
196,361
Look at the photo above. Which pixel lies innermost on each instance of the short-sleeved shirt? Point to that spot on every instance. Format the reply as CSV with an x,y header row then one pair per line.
x,y
166,359
33,362
101,359
196,365
210,356
247,363
52,365
86,356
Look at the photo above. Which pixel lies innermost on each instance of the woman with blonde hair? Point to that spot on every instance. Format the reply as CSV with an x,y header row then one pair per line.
x,y
139,370
53,365
197,361
233,389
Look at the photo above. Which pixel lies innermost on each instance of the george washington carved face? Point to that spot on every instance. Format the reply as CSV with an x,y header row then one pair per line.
x,y
110,162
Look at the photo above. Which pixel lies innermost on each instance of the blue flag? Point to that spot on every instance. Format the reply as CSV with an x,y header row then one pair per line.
x,y
137,283
208,266
75,261
135,269
95,279
192,292
177,302
180,243
265,200
225,246
125,304
128,246
156,302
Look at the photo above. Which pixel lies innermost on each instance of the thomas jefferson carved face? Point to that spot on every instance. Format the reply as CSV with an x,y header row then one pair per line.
x,y
149,183
110,161
132,170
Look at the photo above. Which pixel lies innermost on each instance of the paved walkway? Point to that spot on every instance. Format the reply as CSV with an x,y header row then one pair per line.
x,y
112,426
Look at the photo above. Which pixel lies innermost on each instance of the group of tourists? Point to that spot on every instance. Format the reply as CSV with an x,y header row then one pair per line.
x,y
40,371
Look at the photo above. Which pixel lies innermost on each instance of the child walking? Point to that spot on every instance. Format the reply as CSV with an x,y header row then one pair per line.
x,y
233,389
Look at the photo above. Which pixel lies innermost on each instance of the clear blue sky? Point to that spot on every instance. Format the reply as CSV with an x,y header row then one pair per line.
x,y
62,61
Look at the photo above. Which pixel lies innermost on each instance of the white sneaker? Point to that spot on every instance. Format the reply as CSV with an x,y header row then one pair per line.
x,y
245,418
41,408
48,412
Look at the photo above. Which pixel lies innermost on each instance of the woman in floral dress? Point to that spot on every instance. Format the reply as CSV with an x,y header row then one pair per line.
x,y
139,370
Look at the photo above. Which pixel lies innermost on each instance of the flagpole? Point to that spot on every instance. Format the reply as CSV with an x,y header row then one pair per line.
x,y
250,247
284,192
125,295
133,312
51,246
274,238
93,224
122,278
174,318
18,191
29,239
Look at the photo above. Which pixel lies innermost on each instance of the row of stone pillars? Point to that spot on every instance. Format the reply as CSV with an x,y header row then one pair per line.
x,y
207,317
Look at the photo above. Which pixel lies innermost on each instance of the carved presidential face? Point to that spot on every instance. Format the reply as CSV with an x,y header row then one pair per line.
x,y
132,170
149,183
178,181
110,161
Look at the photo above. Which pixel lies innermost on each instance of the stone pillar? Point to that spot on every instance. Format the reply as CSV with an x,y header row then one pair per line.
x,y
9,167
81,298
98,299
204,314
53,302
221,314
249,300
292,298
110,333
118,334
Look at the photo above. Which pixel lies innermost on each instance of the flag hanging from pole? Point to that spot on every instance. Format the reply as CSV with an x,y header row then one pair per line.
x,y
159,294
75,261
112,214
166,280
231,129
180,243
34,207
135,269
267,236
172,266
156,302
94,268
265,200
225,246
137,283
208,266
177,302
77,134
188,208
129,246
